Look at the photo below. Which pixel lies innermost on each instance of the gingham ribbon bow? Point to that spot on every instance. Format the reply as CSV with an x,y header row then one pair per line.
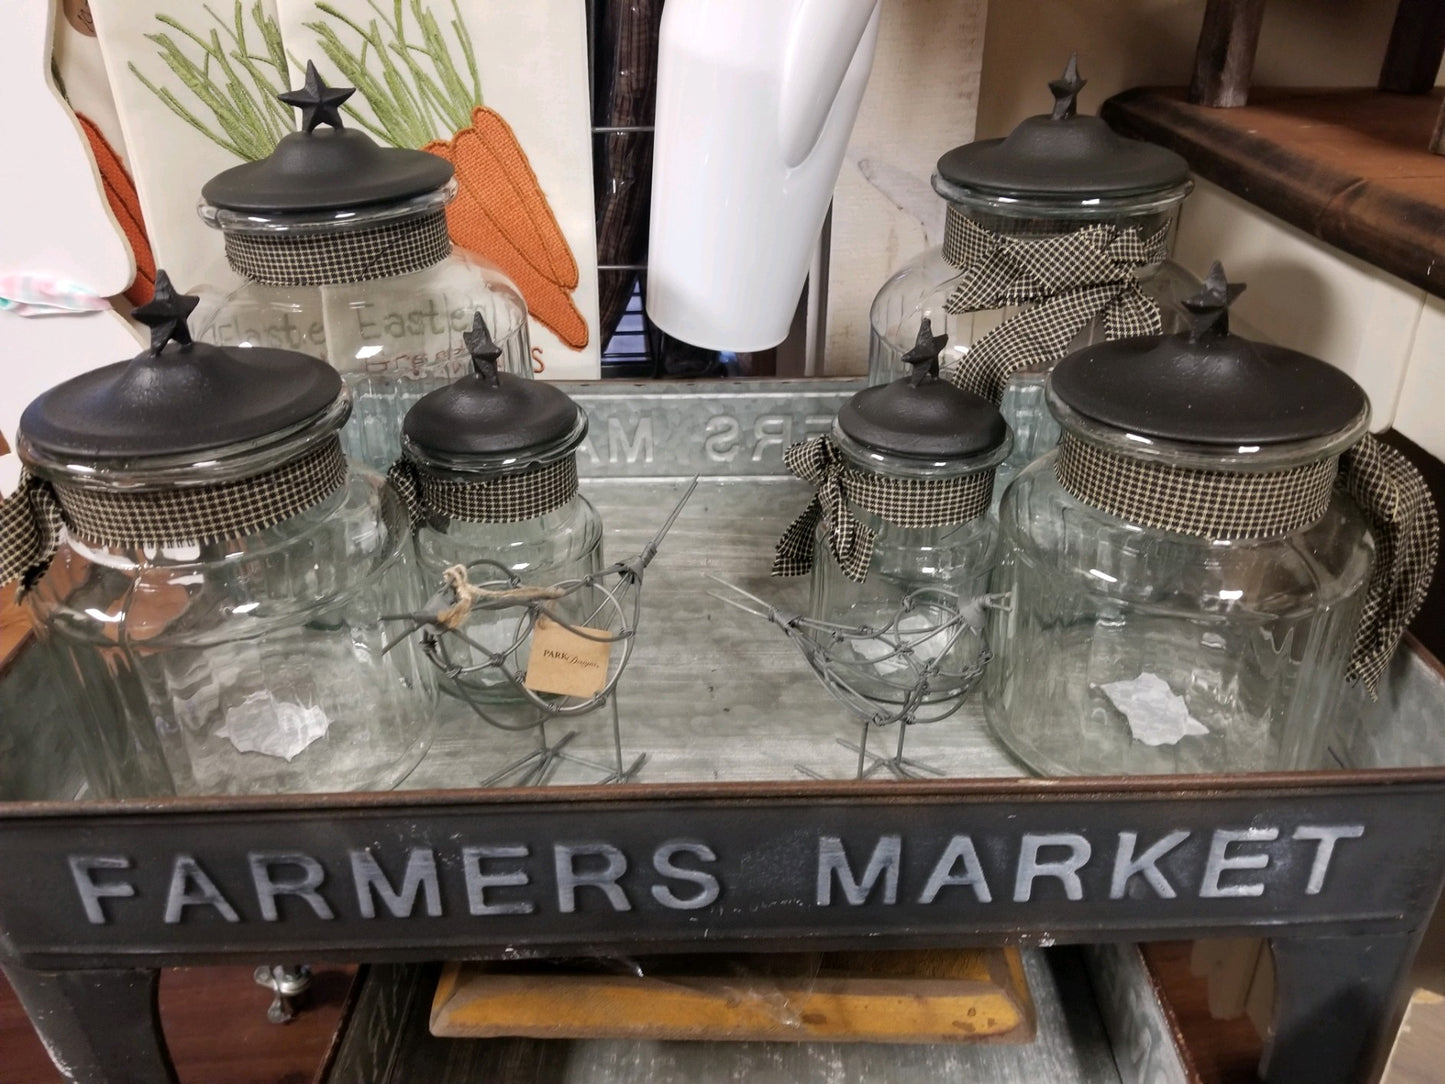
x,y
903,502
1066,280
1406,525
30,523
819,463
31,518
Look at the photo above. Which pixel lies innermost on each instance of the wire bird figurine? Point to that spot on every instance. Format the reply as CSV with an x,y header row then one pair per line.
x,y
612,601
898,672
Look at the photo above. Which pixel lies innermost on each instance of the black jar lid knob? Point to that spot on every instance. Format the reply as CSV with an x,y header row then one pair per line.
x,y
1208,310
1066,90
166,314
483,350
319,104
923,357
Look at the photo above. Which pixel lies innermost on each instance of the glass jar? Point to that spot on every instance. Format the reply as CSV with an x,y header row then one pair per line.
x,y
902,546
247,656
341,251
489,468
1063,192
1186,580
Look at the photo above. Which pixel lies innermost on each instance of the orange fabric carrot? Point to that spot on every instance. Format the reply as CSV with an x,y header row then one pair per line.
x,y
125,204
498,135
502,213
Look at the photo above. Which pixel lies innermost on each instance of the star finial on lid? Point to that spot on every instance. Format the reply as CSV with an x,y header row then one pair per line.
x,y
484,351
1066,90
165,314
924,355
1209,309
319,104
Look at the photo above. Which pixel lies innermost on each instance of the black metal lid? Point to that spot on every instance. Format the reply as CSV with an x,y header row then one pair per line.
x,y
179,396
489,412
920,416
1206,386
328,170
1062,155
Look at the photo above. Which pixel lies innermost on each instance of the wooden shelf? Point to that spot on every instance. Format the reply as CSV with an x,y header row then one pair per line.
x,y
1347,166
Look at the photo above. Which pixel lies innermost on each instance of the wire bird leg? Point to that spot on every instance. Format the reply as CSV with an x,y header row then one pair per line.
x,y
492,681
909,699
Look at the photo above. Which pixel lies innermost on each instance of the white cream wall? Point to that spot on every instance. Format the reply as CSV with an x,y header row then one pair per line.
x,y
1302,293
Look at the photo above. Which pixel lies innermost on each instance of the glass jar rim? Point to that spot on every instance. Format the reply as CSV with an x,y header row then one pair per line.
x,y
1037,206
347,218
932,469
1238,458
457,467
228,463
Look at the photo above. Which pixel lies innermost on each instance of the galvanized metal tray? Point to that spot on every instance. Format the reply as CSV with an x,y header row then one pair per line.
x,y
723,843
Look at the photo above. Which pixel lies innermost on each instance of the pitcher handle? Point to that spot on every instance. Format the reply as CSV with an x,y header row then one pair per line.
x,y
823,39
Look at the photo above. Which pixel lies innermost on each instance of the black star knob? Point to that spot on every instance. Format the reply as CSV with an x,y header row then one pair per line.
x,y
1209,309
483,350
165,314
1066,90
319,104
924,355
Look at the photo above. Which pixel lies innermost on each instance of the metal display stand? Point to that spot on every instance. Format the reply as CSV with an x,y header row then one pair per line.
x,y
717,848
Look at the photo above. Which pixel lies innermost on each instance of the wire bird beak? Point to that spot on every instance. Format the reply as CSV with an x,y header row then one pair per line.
x,y
760,608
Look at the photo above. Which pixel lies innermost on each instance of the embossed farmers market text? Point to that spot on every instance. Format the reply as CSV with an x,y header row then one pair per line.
x,y
518,879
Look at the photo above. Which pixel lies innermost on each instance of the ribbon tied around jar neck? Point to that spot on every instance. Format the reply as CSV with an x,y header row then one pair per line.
x,y
1066,280
904,502
32,517
501,498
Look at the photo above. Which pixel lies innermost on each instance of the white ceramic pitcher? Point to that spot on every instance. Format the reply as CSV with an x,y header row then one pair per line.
x,y
755,103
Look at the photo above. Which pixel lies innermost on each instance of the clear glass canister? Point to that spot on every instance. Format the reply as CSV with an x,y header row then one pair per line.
x,y
899,539
489,464
917,579
253,661
339,249
1062,192
1180,605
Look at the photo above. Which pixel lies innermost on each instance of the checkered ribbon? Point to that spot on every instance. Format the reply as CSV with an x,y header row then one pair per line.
x,y
904,502
1207,503
500,498
31,518
1396,500
1264,504
302,258
1066,280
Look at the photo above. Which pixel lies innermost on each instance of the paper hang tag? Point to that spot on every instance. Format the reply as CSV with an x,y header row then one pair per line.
x,y
565,663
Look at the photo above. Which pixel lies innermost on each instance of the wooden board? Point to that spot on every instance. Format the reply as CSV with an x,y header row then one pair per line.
x,y
977,995
1350,167
14,626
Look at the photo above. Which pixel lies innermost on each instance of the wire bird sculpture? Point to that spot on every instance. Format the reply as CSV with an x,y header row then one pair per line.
x,y
611,600
899,672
